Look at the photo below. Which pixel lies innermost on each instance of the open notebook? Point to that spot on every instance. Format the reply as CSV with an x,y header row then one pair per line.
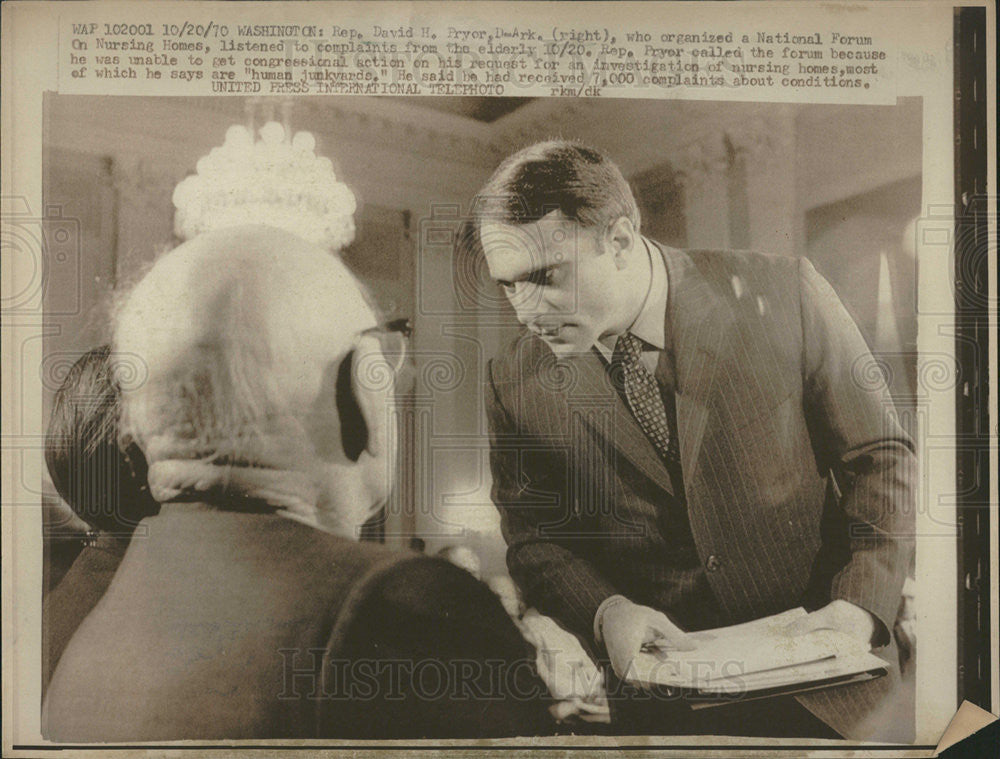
x,y
756,660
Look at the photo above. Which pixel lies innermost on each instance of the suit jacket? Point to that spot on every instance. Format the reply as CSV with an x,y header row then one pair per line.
x,y
79,590
799,480
224,625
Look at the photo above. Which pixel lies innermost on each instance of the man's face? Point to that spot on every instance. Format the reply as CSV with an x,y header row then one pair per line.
x,y
559,276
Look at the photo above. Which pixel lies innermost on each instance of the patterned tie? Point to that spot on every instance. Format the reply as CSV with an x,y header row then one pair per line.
x,y
644,398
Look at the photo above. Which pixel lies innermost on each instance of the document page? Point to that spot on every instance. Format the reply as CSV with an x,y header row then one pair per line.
x,y
755,655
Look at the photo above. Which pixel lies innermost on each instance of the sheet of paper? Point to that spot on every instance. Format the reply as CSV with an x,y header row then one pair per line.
x,y
757,654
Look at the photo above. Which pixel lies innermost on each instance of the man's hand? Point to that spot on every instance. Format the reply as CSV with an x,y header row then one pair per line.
x,y
627,626
838,615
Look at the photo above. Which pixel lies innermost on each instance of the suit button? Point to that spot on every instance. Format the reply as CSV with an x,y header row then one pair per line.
x,y
713,563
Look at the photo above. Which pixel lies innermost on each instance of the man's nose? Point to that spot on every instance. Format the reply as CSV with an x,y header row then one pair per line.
x,y
524,316
528,302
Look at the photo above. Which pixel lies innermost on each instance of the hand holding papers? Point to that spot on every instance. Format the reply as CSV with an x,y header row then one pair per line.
x,y
756,658
627,627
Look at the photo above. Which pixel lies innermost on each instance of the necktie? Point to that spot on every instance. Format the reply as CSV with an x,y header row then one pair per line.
x,y
644,397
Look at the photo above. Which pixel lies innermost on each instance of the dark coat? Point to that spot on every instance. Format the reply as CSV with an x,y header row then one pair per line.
x,y
79,590
224,625
799,480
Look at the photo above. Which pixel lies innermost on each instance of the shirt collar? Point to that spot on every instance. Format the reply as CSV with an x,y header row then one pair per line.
x,y
650,325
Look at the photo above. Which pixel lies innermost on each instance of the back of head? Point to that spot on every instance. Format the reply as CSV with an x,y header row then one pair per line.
x,y
580,182
242,332
87,465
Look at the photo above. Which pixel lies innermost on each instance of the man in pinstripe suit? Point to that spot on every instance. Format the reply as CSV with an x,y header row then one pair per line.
x,y
684,440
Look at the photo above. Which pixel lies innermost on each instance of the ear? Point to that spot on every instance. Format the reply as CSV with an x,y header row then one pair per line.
x,y
372,383
620,238
353,427
135,460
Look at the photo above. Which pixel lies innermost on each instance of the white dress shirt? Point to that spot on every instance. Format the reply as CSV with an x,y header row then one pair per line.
x,y
649,325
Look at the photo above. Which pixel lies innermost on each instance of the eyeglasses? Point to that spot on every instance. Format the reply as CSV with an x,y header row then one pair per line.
x,y
393,338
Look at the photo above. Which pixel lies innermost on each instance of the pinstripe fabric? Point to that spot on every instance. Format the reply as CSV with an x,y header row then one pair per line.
x,y
775,399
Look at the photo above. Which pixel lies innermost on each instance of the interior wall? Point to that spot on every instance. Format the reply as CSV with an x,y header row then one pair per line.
x,y
860,245
847,150
80,275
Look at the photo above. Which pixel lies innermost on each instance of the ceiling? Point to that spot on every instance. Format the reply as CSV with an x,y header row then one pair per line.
x,y
484,109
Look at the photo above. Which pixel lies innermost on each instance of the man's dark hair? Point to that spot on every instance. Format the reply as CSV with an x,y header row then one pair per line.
x,y
88,466
582,183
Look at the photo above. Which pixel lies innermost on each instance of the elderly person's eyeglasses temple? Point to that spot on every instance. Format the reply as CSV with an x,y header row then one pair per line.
x,y
393,336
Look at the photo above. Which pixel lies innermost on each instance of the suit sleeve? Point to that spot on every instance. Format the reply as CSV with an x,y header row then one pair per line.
x,y
550,568
857,437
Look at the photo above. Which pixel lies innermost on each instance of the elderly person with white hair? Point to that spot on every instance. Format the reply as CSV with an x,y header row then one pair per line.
x,y
249,609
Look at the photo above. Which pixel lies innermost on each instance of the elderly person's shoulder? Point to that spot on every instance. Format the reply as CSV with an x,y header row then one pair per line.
x,y
290,562
306,633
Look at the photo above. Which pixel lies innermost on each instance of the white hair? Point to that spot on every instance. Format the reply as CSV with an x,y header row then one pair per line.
x,y
232,328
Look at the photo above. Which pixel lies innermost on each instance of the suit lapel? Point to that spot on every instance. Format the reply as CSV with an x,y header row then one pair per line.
x,y
628,438
698,320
